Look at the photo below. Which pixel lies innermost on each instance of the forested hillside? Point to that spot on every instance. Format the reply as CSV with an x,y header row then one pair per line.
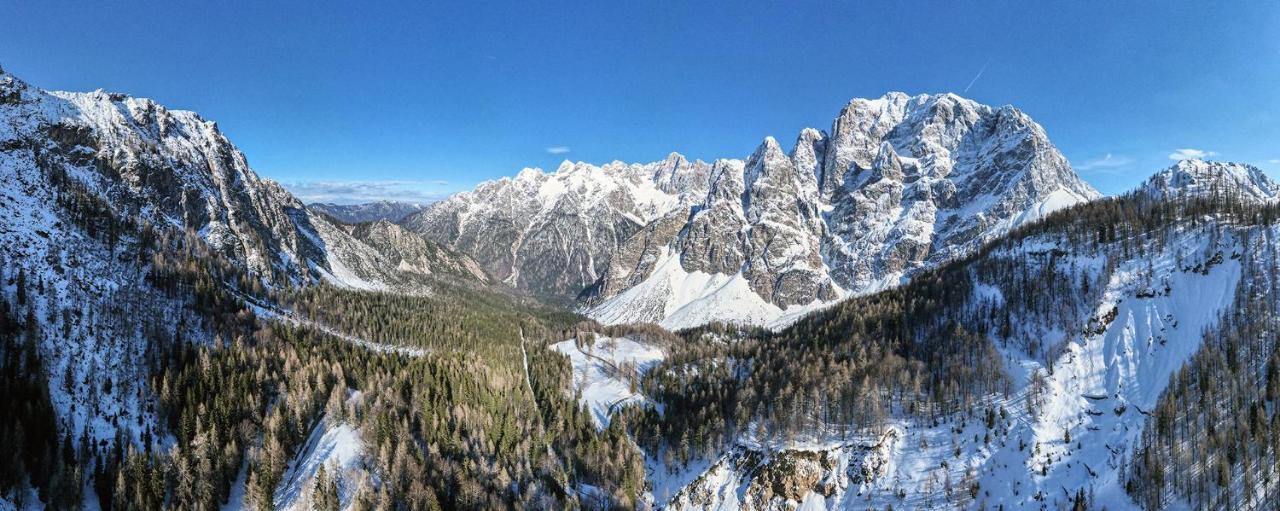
x,y
448,427
997,339
162,351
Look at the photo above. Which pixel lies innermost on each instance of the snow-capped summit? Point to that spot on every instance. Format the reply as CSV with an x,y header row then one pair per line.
x,y
900,183
175,168
1199,178
91,186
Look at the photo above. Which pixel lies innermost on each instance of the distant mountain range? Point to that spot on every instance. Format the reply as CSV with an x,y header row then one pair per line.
x,y
391,211
899,184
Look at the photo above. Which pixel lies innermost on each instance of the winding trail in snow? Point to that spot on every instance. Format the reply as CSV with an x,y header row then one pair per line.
x,y
528,383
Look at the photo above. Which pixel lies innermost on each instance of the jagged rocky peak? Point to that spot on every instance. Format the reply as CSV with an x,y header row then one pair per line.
x,y
711,240
949,134
767,163
1199,178
11,88
856,134
887,164
677,174
784,233
901,183
171,164
809,152
553,232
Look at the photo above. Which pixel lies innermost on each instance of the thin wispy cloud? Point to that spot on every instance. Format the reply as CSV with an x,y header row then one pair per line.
x,y
1273,162
976,77
559,149
359,192
1190,154
1105,163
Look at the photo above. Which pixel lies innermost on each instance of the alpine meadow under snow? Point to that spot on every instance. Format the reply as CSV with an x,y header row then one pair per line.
x,y
922,307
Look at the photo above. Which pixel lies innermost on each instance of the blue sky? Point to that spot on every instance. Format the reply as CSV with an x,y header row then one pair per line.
x,y
419,99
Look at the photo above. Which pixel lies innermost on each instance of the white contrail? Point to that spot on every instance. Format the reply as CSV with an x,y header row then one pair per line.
x,y
976,77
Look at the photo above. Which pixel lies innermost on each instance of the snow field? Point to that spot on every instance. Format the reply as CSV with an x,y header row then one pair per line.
x,y
598,372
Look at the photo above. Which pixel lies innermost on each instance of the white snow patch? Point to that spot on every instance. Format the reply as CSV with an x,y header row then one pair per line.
x,y
340,275
599,372
676,298
336,447
1056,200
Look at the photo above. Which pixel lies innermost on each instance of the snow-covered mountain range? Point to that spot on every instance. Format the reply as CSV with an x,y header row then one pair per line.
x,y
91,182
899,184
83,175
174,168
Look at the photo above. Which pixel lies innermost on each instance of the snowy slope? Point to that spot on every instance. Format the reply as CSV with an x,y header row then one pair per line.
x,y
1139,330
692,299
84,175
94,308
176,169
1101,385
339,449
603,372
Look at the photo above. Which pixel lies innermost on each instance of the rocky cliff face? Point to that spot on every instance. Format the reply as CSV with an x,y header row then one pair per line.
x,y
410,253
174,168
913,181
553,233
899,184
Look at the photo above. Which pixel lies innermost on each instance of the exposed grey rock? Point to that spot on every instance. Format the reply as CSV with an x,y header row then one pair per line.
x,y
638,256
783,240
902,183
554,233
713,241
